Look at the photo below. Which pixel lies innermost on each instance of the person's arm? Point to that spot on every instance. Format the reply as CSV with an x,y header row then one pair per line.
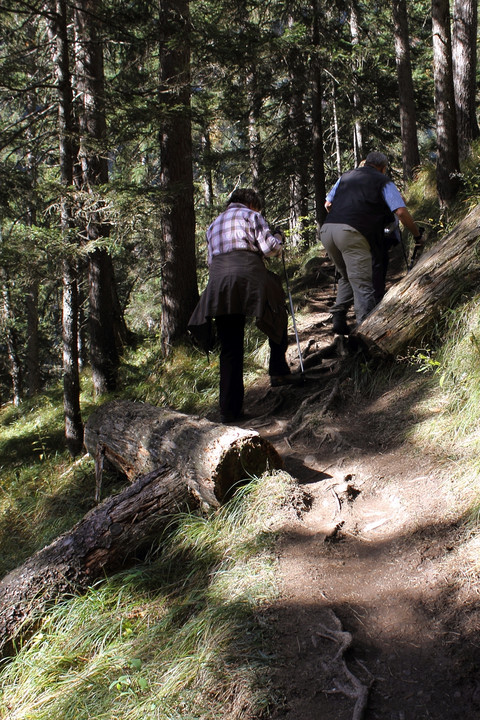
x,y
407,221
396,204
330,196
277,250
270,244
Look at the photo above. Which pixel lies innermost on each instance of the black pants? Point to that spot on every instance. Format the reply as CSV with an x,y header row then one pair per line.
x,y
379,272
230,330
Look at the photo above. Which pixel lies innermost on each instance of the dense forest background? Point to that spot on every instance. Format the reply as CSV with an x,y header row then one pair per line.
x,y
126,125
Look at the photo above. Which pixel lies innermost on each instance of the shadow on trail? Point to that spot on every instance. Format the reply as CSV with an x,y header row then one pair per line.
x,y
404,633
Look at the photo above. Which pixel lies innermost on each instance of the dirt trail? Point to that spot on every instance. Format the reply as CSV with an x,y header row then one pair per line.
x,y
375,620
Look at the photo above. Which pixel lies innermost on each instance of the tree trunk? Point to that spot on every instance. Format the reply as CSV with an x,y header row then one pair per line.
x,y
464,46
178,273
206,144
104,355
71,378
254,99
57,26
317,128
408,122
338,152
357,64
7,320
137,437
195,464
106,321
448,165
299,142
32,350
104,541
448,270
32,361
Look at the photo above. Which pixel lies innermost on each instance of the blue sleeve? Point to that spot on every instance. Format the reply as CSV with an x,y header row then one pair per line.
x,y
392,197
331,194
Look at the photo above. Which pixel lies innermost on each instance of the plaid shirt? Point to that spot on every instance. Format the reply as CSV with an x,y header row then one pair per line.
x,y
239,228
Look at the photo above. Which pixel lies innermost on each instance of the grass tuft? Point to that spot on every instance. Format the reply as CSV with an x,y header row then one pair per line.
x,y
449,414
179,637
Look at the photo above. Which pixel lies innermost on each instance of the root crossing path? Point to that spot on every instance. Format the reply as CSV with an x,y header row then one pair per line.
x,y
378,617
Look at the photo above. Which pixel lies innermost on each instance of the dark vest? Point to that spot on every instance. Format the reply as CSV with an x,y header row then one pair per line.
x,y
359,202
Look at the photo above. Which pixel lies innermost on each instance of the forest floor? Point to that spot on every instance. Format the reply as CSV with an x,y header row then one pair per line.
x,y
378,616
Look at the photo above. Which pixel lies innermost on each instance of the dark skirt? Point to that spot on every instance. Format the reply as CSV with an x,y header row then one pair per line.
x,y
240,284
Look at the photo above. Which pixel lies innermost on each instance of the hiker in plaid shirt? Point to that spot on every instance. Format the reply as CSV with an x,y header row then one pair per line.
x,y
240,227
240,286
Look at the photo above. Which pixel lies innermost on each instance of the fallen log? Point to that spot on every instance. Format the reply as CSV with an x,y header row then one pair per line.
x,y
137,437
103,541
448,270
176,463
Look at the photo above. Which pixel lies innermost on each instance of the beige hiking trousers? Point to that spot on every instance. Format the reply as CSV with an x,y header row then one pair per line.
x,y
350,252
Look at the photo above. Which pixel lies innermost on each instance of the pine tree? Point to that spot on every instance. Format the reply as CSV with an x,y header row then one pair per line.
x,y
179,282
448,166
408,122
57,24
464,46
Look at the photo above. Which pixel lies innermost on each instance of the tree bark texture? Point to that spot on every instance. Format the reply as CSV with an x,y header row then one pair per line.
x,y
104,355
448,164
178,273
448,270
32,348
408,122
464,48
183,463
7,325
357,63
318,157
57,28
299,140
136,438
71,376
104,541
32,355
107,331
254,98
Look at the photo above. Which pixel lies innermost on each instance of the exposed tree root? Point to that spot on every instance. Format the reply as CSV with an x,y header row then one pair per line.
x,y
303,417
345,681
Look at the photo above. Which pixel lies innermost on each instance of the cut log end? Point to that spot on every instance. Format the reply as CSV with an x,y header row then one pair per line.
x,y
246,458
214,459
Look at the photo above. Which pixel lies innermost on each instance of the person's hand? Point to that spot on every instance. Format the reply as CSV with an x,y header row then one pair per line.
x,y
418,238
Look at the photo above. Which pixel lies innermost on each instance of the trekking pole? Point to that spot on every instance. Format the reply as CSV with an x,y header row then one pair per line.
x,y
405,256
292,313
417,248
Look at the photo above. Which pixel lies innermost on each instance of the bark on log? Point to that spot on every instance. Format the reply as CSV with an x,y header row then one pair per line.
x,y
183,462
137,437
448,270
106,538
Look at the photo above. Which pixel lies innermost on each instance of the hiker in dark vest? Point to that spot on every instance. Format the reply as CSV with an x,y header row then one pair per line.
x,y
360,205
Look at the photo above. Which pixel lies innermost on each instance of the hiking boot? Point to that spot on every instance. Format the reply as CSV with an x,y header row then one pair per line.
x,y
290,379
230,417
340,326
